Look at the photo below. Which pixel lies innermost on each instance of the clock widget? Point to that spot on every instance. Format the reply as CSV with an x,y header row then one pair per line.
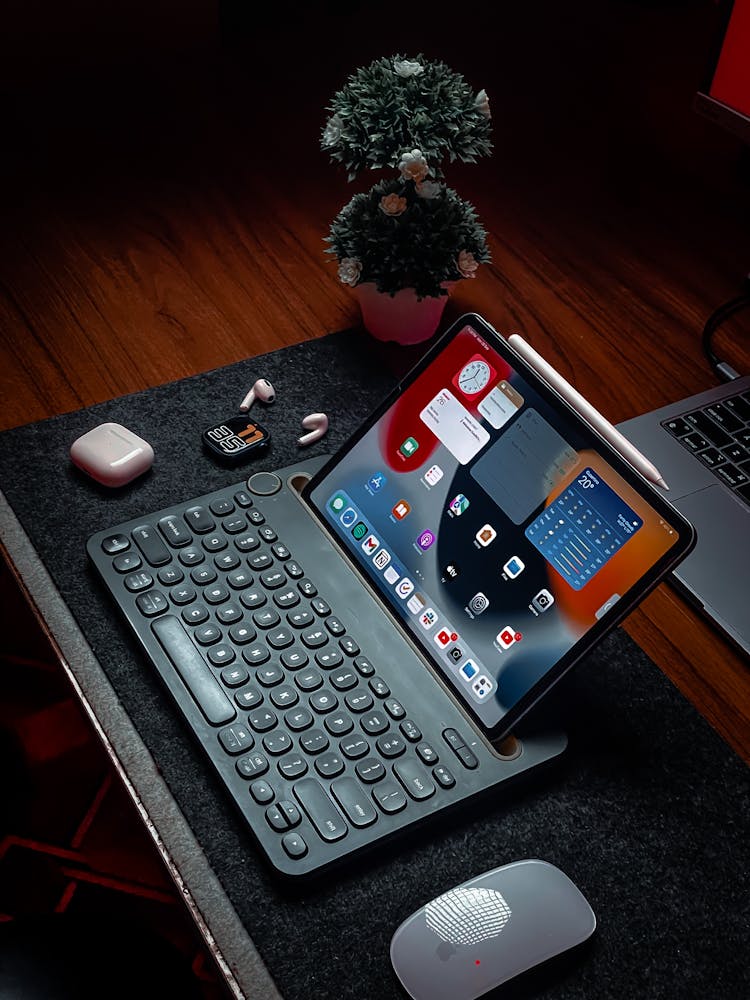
x,y
475,376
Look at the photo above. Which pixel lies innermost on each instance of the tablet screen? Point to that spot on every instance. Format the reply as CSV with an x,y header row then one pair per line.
x,y
496,525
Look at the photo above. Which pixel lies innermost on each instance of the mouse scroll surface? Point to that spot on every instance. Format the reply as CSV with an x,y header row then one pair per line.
x,y
478,935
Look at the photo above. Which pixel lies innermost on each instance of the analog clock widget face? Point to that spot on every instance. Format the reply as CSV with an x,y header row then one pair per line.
x,y
475,376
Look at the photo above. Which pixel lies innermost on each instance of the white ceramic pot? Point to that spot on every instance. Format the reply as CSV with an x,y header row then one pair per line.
x,y
401,317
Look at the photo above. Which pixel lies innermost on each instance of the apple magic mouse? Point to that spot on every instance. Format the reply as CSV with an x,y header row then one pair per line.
x,y
478,935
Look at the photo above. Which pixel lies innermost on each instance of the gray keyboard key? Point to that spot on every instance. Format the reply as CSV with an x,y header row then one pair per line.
x,y
193,670
325,817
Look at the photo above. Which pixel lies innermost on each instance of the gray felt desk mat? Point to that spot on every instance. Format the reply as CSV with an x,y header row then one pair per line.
x,y
647,811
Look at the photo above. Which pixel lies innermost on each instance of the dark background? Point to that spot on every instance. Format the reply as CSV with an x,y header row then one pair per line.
x,y
163,201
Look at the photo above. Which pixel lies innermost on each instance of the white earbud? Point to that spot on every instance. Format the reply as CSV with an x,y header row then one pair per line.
x,y
262,390
317,425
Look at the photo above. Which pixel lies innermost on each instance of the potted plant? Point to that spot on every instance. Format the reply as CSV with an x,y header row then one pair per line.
x,y
405,243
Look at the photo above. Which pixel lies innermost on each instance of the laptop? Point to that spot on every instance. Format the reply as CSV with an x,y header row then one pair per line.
x,y
352,641
701,445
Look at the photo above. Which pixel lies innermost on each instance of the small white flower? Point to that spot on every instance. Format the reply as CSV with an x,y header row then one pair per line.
x,y
482,103
428,189
413,166
349,270
407,68
332,131
393,204
466,264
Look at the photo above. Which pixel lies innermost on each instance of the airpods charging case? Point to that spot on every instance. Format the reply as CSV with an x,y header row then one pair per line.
x,y
112,455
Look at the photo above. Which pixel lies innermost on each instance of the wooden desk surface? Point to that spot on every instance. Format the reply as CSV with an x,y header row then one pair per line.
x,y
164,215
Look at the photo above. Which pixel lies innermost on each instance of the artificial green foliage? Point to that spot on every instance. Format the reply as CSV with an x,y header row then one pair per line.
x,y
418,248
379,114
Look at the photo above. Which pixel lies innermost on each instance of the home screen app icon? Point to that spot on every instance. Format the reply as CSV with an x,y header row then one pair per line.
x,y
479,603
507,636
514,567
376,482
425,540
485,535
458,505
401,509
382,559
349,517
409,446
337,503
482,686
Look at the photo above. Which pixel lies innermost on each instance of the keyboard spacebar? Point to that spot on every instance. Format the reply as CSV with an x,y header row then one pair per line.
x,y
194,671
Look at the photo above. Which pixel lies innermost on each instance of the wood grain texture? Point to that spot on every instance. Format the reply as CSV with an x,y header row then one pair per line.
x,y
164,209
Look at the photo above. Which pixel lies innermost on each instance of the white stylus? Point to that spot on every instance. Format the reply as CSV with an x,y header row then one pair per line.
x,y
628,451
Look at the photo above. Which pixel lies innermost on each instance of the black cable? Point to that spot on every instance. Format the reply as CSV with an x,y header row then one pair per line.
x,y
722,368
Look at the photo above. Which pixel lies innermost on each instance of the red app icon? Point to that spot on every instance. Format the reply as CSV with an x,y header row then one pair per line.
x,y
401,509
507,636
444,637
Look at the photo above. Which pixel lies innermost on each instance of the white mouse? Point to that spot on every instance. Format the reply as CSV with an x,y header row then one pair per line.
x,y
480,934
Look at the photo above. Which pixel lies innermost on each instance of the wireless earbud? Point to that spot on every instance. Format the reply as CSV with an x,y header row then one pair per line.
x,y
317,425
262,390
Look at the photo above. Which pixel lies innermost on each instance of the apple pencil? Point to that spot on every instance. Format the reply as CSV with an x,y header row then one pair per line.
x,y
628,451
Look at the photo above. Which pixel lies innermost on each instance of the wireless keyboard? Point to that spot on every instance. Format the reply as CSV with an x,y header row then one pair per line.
x,y
327,736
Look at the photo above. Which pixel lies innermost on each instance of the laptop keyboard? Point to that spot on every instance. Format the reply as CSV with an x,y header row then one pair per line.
x,y
719,435
283,694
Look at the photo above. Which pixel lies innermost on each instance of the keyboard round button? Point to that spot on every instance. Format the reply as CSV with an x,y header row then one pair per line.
x,y
114,544
293,766
194,615
242,633
329,765
294,845
139,581
284,696
206,635
191,556
370,770
262,719
323,701
277,743
234,676
443,776
182,595
169,575
299,719
127,562
264,484
314,741
261,791
221,655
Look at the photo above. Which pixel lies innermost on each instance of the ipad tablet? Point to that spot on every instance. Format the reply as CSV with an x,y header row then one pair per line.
x,y
500,531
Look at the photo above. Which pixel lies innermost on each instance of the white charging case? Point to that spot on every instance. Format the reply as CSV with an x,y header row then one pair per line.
x,y
112,455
